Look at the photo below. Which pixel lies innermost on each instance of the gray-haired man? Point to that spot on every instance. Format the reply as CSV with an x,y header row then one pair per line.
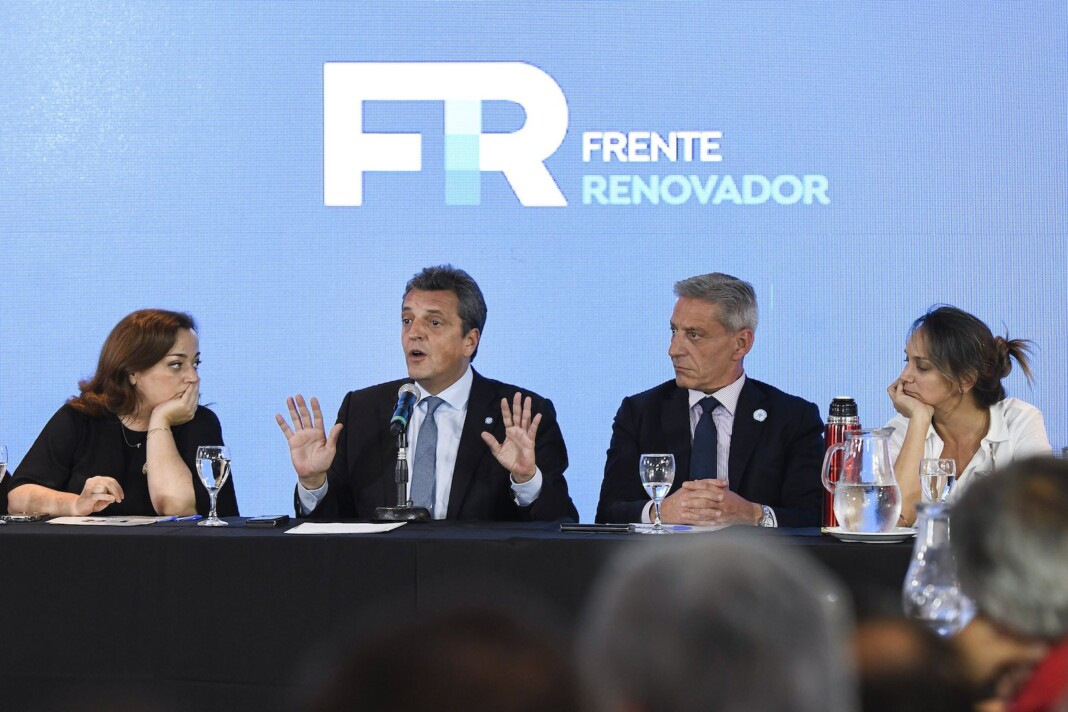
x,y
745,452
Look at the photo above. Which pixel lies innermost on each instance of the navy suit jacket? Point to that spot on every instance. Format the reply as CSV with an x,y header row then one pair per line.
x,y
775,461
362,475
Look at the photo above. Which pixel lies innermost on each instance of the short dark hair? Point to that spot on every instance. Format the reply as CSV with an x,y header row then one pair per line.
x,y
136,343
961,346
446,278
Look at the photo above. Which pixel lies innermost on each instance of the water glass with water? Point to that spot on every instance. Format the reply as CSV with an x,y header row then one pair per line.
x,y
657,472
937,477
213,468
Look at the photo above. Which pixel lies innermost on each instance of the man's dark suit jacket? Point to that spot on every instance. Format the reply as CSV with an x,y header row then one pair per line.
x,y
362,474
775,461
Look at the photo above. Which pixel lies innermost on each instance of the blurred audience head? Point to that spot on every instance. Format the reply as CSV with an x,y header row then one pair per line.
x,y
1010,540
725,623
458,659
904,667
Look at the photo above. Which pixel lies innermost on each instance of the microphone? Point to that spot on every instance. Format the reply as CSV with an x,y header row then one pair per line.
x,y
398,427
406,398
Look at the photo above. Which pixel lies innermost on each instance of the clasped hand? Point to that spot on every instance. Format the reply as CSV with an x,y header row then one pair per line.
x,y
706,502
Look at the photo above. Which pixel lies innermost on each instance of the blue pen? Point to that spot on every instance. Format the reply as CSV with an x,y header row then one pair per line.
x,y
190,518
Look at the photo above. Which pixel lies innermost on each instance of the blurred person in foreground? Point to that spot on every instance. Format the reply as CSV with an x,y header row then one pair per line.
x,y
126,445
726,623
905,667
461,659
745,452
951,403
1010,541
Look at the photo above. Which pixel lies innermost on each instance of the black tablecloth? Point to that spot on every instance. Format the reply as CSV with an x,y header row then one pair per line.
x,y
225,619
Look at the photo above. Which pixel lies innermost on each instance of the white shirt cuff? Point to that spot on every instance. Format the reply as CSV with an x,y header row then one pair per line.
x,y
647,513
309,499
525,493
774,519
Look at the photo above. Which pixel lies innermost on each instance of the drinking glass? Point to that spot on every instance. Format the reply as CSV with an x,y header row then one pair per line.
x,y
937,477
657,472
213,467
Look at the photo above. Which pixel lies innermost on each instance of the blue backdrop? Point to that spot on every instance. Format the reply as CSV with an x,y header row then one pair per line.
x,y
172,155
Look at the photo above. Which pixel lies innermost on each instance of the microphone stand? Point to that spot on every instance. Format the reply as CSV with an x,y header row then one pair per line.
x,y
402,512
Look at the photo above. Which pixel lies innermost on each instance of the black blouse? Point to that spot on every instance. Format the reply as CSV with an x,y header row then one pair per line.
x,y
75,446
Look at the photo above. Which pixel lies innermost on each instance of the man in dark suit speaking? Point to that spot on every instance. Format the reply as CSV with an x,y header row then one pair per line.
x,y
471,455
745,452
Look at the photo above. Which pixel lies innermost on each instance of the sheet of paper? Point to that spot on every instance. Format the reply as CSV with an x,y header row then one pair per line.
x,y
681,528
342,528
109,521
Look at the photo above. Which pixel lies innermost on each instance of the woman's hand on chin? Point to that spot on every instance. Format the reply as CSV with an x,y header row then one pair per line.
x,y
906,405
177,410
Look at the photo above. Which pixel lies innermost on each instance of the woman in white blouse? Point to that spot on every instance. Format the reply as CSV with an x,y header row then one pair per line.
x,y
951,403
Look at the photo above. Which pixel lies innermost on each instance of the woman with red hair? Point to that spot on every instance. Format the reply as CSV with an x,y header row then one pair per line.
x,y
126,445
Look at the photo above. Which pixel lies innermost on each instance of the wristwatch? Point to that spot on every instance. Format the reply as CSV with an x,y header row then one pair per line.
x,y
768,520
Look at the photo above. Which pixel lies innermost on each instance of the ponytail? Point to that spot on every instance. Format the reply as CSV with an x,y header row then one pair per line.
x,y
1018,350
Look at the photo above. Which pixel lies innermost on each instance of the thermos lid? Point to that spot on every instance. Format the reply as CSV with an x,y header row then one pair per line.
x,y
843,407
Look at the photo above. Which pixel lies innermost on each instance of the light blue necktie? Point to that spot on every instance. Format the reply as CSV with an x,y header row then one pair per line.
x,y
426,458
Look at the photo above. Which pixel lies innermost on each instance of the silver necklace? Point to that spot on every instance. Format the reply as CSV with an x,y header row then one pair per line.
x,y
144,467
123,426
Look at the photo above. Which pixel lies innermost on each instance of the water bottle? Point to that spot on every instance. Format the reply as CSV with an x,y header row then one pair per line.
x,y
842,417
931,594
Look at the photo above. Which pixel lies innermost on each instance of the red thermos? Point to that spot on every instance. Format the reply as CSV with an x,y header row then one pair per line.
x,y
842,417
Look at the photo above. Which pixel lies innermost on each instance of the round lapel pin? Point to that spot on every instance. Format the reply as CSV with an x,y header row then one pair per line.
x,y
489,421
760,415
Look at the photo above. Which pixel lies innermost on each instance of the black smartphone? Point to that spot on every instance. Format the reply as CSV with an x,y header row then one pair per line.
x,y
597,528
271,520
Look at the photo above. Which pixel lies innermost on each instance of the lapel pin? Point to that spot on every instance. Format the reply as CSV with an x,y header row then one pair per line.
x,y
489,421
760,415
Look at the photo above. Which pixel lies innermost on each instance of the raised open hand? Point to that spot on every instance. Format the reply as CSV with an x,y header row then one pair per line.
x,y
516,453
310,448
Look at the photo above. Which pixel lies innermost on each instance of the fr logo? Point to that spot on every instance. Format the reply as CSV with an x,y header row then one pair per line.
x,y
349,152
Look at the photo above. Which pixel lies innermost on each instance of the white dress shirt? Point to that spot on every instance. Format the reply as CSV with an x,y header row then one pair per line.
x,y
449,417
1016,431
